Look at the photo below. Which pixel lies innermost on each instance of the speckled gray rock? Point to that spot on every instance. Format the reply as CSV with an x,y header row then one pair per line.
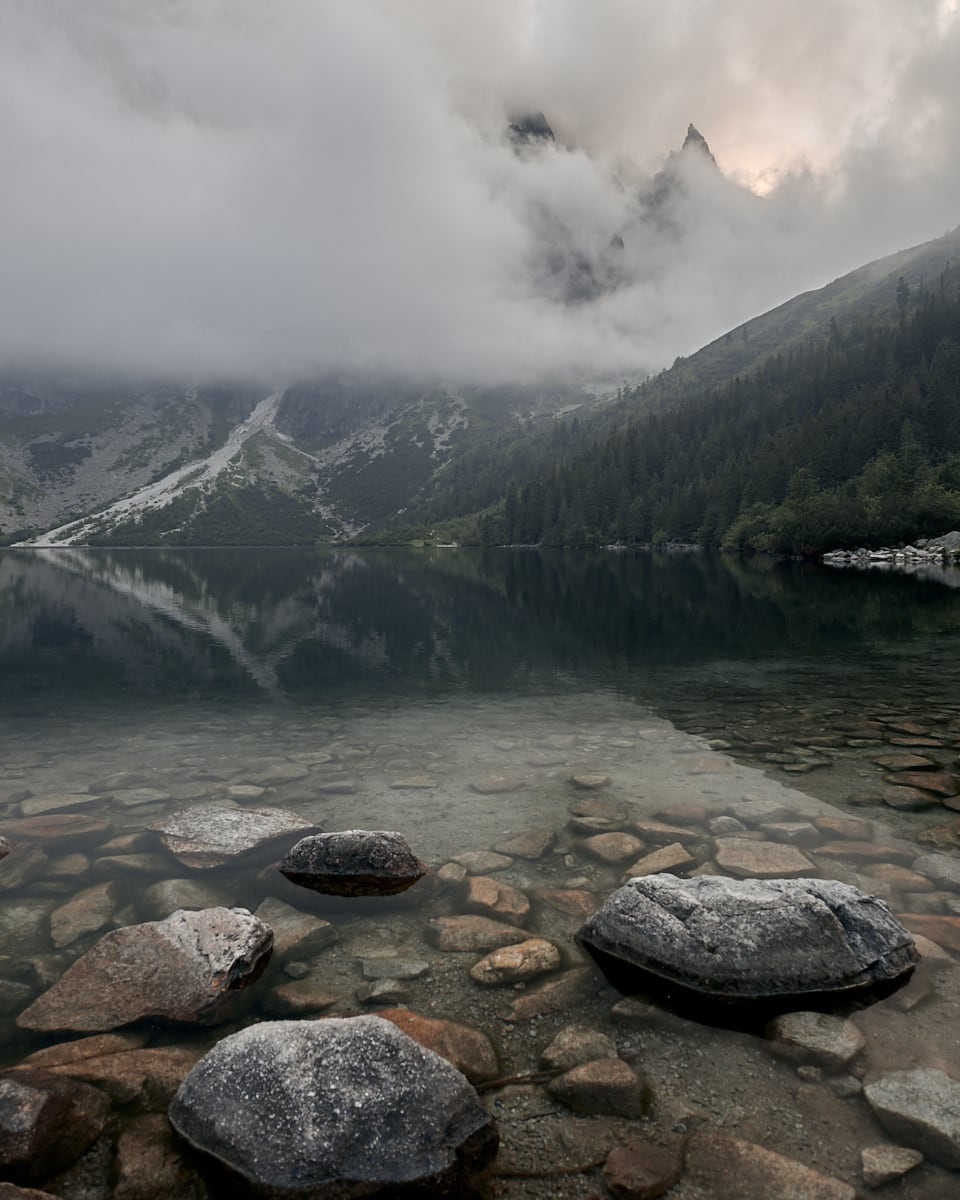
x,y
354,862
183,969
922,1108
210,835
333,1109
751,939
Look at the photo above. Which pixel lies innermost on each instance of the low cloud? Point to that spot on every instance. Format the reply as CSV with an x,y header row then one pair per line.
x,y
224,187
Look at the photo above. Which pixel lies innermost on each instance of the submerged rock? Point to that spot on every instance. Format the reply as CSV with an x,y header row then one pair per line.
x,y
210,835
354,862
922,1108
749,940
883,1164
470,1050
183,969
45,1123
335,1109
828,1041
729,1168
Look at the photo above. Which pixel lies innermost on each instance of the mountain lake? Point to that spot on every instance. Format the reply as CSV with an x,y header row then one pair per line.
x,y
692,704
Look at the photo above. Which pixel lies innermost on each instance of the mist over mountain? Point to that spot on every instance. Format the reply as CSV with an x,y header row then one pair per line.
x,y
201,189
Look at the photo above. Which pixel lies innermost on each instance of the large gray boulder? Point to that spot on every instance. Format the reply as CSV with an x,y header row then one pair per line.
x,y
183,969
749,940
334,1109
353,862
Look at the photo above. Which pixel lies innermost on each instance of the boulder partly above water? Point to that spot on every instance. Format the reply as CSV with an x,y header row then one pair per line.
x,y
749,941
353,862
333,1109
183,970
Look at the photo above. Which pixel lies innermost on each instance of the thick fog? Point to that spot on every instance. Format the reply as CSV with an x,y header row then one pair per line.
x,y
233,187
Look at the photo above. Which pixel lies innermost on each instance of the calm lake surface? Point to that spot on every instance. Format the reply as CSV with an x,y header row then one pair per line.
x,y
452,695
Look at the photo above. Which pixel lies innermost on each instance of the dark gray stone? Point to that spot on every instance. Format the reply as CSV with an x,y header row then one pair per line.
x,y
751,939
334,1109
354,862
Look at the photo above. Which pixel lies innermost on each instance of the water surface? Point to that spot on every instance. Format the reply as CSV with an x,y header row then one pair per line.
x,y
386,689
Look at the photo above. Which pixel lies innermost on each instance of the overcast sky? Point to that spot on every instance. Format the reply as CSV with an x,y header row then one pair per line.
x,y
278,187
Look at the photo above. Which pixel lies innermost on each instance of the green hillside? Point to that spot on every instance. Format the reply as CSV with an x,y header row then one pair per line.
x,y
840,427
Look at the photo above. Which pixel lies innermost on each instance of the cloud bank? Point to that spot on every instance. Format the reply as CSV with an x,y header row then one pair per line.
x,y
232,188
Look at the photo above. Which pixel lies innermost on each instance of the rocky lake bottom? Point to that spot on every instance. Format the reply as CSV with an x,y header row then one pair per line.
x,y
529,812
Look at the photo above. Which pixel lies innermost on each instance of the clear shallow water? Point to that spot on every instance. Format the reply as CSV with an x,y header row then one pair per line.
x,y
144,681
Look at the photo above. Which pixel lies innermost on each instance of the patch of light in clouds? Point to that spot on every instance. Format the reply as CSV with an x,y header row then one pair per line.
x,y
227,187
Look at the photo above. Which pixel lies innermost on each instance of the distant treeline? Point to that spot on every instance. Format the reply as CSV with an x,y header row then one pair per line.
x,y
852,438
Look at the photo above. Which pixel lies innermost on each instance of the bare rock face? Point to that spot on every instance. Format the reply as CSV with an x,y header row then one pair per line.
x,y
335,1109
211,835
354,862
183,969
751,940
45,1123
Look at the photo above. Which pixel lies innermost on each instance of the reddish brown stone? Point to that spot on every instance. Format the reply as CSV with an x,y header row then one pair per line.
x,y
763,860
641,1171
572,902
693,814
945,931
866,851
490,897
53,829
661,833
728,1168
150,1165
557,995
901,878
148,1078
46,1123
607,1087
516,964
613,847
668,858
939,782
909,799
472,933
468,1049
905,762
844,827
532,845
942,836
902,726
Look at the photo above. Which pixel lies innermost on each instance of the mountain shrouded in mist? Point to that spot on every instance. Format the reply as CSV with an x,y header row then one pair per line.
x,y
206,189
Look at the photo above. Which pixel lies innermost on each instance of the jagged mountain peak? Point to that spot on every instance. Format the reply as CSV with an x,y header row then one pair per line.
x,y
530,128
696,143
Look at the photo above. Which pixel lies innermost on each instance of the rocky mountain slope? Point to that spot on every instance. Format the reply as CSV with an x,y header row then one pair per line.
x,y
86,463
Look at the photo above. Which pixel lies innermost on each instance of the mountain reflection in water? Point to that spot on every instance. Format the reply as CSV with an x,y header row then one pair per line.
x,y
102,626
